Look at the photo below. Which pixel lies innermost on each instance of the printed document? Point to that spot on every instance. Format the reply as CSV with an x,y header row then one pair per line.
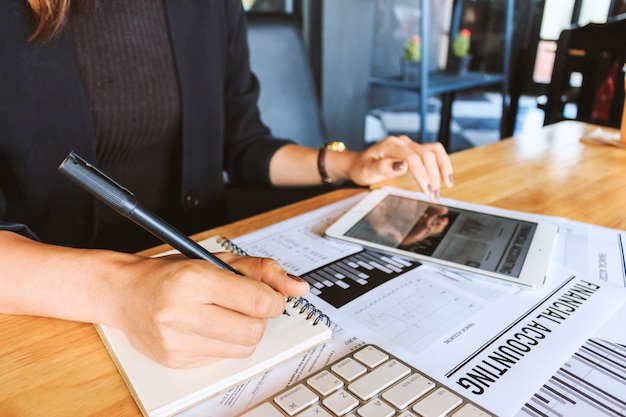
x,y
494,343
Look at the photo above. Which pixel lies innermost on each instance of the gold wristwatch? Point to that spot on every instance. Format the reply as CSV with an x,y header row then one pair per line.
x,y
321,157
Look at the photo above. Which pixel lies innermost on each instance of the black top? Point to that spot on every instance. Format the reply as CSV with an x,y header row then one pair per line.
x,y
130,79
54,102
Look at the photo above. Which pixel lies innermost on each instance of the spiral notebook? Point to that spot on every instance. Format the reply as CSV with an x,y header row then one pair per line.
x,y
161,391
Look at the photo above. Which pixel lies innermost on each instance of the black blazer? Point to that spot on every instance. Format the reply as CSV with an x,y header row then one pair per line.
x,y
44,114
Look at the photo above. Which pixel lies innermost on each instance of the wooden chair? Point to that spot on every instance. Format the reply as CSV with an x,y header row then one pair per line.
x,y
588,59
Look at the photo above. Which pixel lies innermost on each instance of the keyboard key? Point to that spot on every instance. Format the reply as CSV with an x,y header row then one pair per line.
x,y
264,410
378,379
408,390
348,369
341,402
315,411
325,383
367,383
296,399
470,410
371,356
376,408
437,404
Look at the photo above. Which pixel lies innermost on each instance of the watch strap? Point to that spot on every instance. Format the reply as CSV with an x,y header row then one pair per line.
x,y
321,159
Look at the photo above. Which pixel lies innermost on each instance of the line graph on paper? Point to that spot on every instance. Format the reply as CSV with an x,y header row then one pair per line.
x,y
415,312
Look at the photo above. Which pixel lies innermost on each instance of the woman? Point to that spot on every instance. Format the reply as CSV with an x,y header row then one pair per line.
x,y
159,95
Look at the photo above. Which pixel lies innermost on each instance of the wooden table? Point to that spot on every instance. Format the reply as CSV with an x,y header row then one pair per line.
x,y
549,173
59,368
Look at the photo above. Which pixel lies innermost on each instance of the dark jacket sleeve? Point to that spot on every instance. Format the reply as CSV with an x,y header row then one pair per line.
x,y
222,129
22,229
249,144
44,114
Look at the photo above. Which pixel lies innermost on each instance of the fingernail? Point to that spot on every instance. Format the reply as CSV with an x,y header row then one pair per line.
x,y
429,189
451,179
436,195
398,165
295,278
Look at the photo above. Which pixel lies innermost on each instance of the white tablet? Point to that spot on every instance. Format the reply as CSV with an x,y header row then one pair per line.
x,y
511,247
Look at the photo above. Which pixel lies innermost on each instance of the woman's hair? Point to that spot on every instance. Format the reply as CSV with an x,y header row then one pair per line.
x,y
51,16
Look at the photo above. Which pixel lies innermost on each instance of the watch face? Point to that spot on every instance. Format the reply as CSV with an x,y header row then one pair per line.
x,y
336,146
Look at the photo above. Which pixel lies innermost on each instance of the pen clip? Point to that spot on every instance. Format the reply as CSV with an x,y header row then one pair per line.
x,y
123,201
92,179
73,157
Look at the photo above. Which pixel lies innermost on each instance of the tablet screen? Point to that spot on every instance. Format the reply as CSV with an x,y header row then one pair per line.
x,y
479,240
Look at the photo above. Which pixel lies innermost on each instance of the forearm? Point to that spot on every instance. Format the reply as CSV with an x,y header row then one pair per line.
x,y
53,281
429,164
179,311
294,165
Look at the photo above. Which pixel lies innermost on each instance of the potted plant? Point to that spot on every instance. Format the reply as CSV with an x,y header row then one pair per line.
x,y
460,58
410,62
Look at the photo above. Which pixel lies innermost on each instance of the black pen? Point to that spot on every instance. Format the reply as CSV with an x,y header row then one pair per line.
x,y
124,202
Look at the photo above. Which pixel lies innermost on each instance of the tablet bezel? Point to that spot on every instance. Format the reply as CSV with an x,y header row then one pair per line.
x,y
535,265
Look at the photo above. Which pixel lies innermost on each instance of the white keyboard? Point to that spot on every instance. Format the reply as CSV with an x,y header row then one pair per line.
x,y
367,383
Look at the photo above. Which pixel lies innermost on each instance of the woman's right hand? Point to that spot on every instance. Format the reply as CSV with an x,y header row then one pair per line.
x,y
178,311
188,313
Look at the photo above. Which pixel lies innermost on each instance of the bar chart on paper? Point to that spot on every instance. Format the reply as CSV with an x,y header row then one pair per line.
x,y
344,280
590,383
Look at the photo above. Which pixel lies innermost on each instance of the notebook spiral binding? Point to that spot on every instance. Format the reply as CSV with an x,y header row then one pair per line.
x,y
231,246
312,312
305,306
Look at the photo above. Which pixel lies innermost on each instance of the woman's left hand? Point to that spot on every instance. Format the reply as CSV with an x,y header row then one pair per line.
x,y
395,155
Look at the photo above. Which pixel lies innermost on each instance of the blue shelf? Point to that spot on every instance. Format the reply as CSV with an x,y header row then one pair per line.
x,y
446,85
440,82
